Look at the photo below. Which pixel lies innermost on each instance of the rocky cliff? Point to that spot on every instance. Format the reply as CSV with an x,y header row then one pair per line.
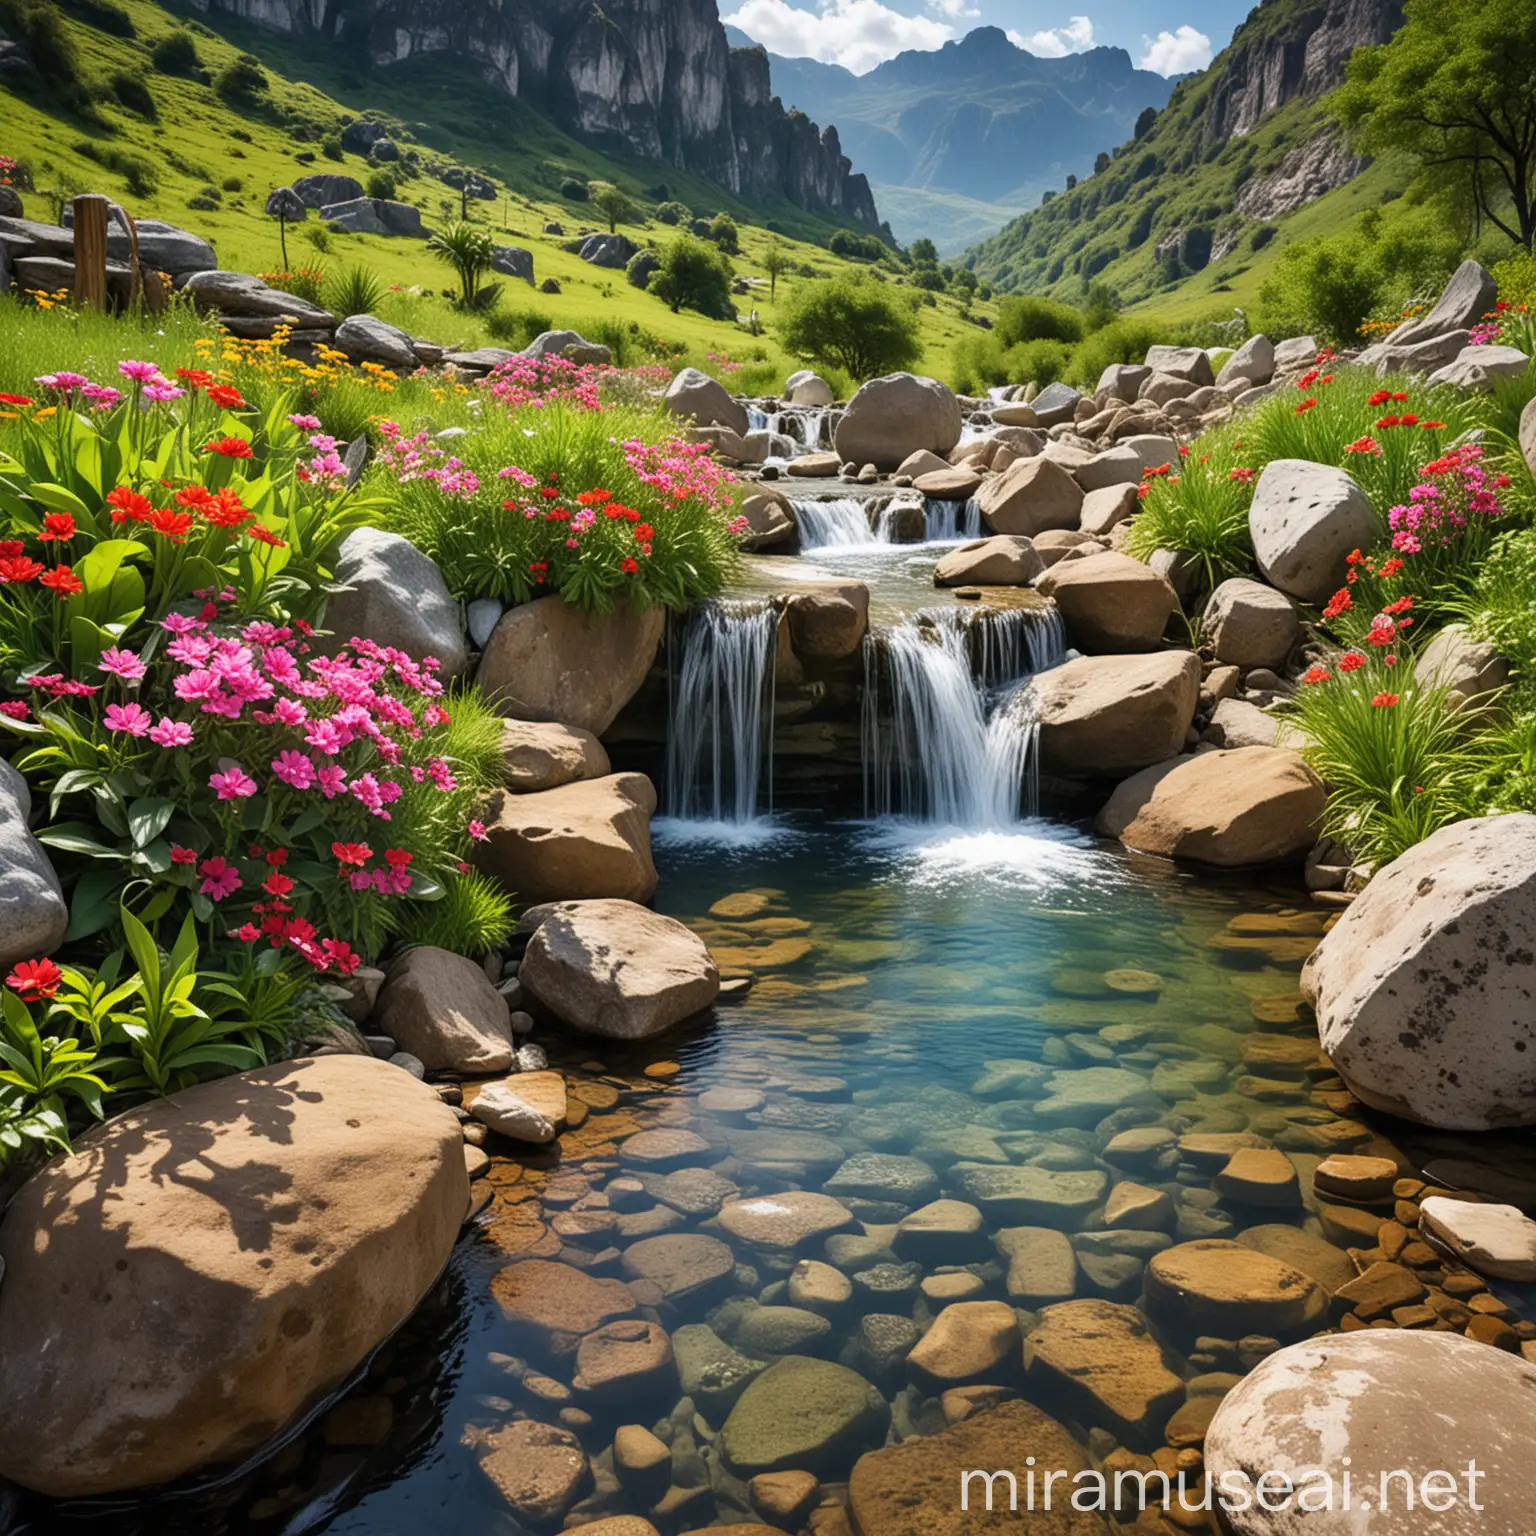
x,y
656,78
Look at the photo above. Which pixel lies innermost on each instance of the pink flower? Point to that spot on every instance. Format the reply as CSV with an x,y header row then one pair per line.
x,y
14,709
123,664
330,779
140,373
132,718
294,768
305,423
181,624
220,878
247,933
234,784
478,833
180,855
171,733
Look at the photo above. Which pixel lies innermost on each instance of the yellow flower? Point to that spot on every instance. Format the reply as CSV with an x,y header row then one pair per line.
x,y
45,413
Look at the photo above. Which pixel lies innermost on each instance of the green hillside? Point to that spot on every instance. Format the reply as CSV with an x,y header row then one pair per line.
x,y
177,149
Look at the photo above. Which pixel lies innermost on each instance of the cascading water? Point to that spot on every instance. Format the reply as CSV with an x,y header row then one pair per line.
x,y
810,428
949,735
839,524
951,522
720,716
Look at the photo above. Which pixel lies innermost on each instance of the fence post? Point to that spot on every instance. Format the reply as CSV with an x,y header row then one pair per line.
x,y
91,250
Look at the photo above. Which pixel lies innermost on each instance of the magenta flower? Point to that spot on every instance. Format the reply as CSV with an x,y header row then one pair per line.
x,y
294,768
132,718
247,933
140,373
233,784
305,423
181,624
66,383
171,733
330,779
478,833
161,392
123,664
220,878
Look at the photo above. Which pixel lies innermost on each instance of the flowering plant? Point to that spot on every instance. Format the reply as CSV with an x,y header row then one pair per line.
x,y
1199,507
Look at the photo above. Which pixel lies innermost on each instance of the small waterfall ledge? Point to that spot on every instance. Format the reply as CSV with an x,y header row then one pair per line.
x,y
844,522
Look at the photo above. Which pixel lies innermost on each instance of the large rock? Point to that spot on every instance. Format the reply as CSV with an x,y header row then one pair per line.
x,y
970,1341
829,620
1304,520
1252,805
571,345
1237,723
890,417
393,594
1528,435
607,250
513,261
1470,294
1190,363
531,1107
1394,1401
326,188
542,755
1029,497
809,1415
552,1307
1476,368
550,660
584,840
805,387
1109,715
1100,1363
205,1268
1224,1289
1498,1241
1107,508
1005,560
375,216
366,339
285,203
615,969
705,401
1055,404
1252,364
540,1470
1423,988
439,1006
238,293
915,1489
1248,624
33,917
1110,602
1467,668
1123,381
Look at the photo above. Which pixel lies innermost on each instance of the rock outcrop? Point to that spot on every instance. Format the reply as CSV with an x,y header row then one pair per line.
x,y
1102,715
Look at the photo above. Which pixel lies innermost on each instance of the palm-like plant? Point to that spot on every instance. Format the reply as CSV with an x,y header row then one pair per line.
x,y
469,252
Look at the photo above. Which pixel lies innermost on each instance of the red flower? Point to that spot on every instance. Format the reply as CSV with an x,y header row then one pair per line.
x,y
1308,378
1399,397
229,397
628,566
398,858
173,525
19,569
196,377
1408,421
1380,397
1340,602
264,536
10,548
15,400
34,979
1390,568
1351,661
1385,700
1432,426
277,857
276,884
1316,675
352,853
644,532
1245,475
1306,405
1403,604
1363,445
1389,421
62,582
230,448
183,855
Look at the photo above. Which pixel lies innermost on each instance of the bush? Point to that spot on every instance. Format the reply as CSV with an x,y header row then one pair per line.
x,y
723,231
694,275
1043,361
381,184
850,323
102,15
640,268
318,236
332,148
356,292
242,83
515,328
1199,507
1029,319
468,251
305,283
673,213
132,93
1121,341
573,190
855,246
176,54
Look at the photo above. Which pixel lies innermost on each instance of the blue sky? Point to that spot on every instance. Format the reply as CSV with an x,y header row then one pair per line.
x,y
1170,36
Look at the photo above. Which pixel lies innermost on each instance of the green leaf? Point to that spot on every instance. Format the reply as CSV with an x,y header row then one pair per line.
x,y
93,904
147,818
75,837
56,499
146,955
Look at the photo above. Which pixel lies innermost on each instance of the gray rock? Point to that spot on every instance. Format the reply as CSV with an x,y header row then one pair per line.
x,y
1237,723
284,202
1249,624
366,339
513,261
807,388
396,596
1190,363
1416,357
1468,296
238,293
607,250
481,360
33,916
375,216
695,396
1163,388
383,152
1055,404
1468,668
1253,363
360,135
893,416
327,189
1304,520
1477,367
10,203
571,344
1528,435
1123,381
482,616
1298,352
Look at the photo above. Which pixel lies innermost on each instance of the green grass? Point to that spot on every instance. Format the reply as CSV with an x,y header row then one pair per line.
x,y
199,141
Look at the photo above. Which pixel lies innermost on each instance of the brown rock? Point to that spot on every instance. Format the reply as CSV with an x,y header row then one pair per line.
x,y
1111,603
205,1267
642,1463
1222,1288
1259,1177
553,1306
539,755
949,484
439,1007
622,1361
530,1107
1030,496
829,621
969,1342
539,1469
784,1221
1106,715
679,1264
550,660
784,1499
1353,1177
1379,1289
1042,1268
1005,560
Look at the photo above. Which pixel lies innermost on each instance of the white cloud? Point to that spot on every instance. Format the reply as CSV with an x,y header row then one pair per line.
x,y
1177,52
1056,42
956,8
858,34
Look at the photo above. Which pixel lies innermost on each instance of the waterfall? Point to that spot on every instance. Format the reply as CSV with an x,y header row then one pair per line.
x,y
720,715
840,524
759,420
952,522
949,735
810,428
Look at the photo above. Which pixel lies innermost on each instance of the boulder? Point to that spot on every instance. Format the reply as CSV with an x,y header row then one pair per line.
x,y
539,1470
1248,624
513,261
1237,723
1251,805
1057,543
1107,715
969,1342
368,340
624,1361
360,135
1164,388
784,1221
1498,1241
584,840
539,755
550,660
1015,414
1224,1289
375,216
615,969
806,1415
1123,381
1030,496
568,344
530,1107
440,1007
607,250
33,916
1295,353
479,361
1116,468
1005,560
705,401
807,388
238,293
890,417
770,519
552,1307
1528,435
1476,368
1304,520
1190,363
1422,989
1402,1405
829,621
1055,404
393,594
1468,668
923,462
949,484
1252,364
327,188
1470,294
1110,602
1104,510
205,1268
285,203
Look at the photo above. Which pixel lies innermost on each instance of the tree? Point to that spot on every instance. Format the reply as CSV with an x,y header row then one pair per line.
x,y
775,261
1456,87
723,231
694,275
852,323
1101,162
923,253
1144,122
469,252
611,202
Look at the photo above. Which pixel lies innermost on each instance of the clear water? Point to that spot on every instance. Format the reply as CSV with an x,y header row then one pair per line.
x,y
893,962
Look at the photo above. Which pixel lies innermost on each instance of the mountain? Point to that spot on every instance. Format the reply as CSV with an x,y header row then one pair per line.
x,y
656,79
1240,150
978,119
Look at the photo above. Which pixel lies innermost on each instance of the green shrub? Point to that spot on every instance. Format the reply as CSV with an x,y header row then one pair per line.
x,y
473,916
317,235
102,15
132,93
332,148
723,231
1121,341
242,83
176,54
855,246
673,213
381,184
694,274
640,267
469,252
1030,319
515,328
232,184
1199,507
573,190
1043,362
852,323
355,292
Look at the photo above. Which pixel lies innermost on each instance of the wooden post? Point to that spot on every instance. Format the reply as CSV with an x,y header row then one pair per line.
x,y
91,251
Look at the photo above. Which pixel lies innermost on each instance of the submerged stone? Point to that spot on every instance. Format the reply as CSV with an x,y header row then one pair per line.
x,y
804,1415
